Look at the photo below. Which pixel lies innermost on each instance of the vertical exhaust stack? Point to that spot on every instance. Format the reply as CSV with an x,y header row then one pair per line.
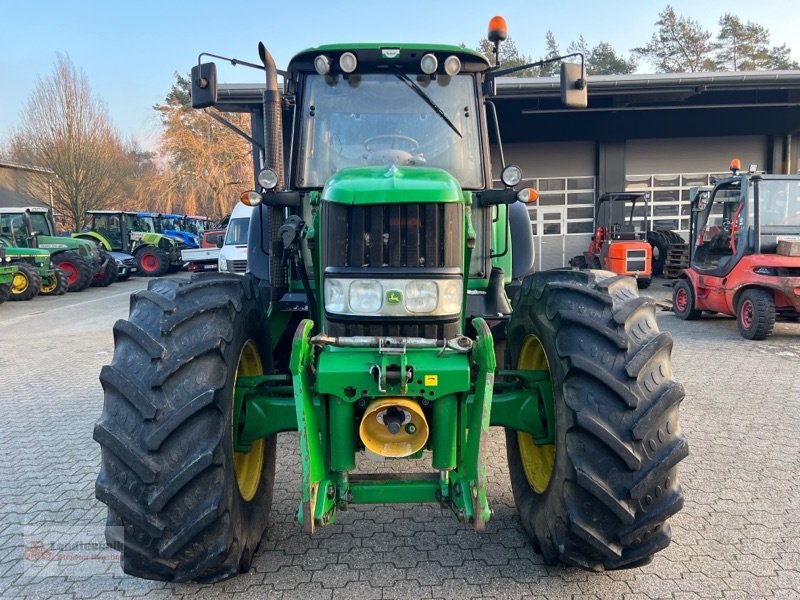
x,y
273,159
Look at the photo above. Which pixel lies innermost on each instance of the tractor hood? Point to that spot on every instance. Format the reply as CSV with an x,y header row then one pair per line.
x,y
52,242
391,185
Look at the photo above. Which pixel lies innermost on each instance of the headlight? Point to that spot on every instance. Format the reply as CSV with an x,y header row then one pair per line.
x,y
393,297
422,296
366,296
334,296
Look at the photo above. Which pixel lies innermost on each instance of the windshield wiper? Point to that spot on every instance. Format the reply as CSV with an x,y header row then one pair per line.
x,y
421,93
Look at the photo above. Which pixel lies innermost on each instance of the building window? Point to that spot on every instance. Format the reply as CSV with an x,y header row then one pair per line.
x,y
669,196
575,192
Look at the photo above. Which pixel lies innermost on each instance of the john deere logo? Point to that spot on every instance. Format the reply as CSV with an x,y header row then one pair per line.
x,y
394,297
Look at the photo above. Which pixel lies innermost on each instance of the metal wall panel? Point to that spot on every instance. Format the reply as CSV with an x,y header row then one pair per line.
x,y
694,155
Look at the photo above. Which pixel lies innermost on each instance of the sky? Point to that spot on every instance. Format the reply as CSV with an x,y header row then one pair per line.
x,y
130,51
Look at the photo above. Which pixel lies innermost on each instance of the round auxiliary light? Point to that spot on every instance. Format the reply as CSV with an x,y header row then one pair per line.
x,y
268,179
322,64
511,175
348,62
452,65
250,198
429,63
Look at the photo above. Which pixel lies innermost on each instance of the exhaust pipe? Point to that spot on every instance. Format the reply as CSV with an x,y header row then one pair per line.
x,y
273,159
394,428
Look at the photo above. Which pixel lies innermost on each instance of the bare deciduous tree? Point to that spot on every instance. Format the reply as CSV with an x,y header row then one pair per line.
x,y
207,165
65,129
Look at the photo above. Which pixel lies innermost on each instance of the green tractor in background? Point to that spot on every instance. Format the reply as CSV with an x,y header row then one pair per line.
x,y
79,262
376,320
7,271
137,234
35,273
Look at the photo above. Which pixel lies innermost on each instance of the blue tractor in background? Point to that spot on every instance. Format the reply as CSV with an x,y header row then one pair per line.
x,y
175,227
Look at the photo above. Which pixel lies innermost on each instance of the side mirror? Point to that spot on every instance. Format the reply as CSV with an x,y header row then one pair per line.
x,y
219,241
204,85
573,86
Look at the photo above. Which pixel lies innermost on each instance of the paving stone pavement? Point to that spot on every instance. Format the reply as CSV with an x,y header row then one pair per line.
x,y
737,537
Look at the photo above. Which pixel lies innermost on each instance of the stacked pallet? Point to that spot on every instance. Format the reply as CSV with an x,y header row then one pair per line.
x,y
677,259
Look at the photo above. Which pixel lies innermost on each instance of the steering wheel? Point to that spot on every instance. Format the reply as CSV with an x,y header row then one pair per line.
x,y
391,141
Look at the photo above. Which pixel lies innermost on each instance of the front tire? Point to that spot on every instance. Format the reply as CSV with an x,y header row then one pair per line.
x,y
78,270
5,292
26,283
755,314
108,273
599,497
683,301
152,261
182,505
55,284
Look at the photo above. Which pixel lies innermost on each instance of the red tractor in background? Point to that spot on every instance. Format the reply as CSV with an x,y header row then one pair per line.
x,y
619,244
744,260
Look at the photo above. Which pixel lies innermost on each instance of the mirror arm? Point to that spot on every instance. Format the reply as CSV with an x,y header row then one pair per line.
x,y
235,62
539,63
235,129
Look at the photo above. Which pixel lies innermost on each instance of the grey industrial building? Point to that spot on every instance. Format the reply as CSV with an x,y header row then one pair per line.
x,y
661,134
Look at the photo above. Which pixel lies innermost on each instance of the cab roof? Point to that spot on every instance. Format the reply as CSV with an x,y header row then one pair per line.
x,y
374,57
22,209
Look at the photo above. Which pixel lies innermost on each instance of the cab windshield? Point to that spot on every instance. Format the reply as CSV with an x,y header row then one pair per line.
x,y
779,200
237,232
40,224
171,223
382,119
140,223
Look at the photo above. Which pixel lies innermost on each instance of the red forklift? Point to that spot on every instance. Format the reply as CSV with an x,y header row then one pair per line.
x,y
619,244
744,256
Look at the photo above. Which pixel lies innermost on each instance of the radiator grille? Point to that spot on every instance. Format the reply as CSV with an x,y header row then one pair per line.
x,y
393,235
406,236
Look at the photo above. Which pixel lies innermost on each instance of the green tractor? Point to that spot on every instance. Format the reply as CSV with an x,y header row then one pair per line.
x,y
80,263
33,274
7,271
137,234
376,320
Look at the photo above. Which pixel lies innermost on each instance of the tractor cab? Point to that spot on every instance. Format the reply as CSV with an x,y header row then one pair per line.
x,y
143,222
174,226
196,224
111,228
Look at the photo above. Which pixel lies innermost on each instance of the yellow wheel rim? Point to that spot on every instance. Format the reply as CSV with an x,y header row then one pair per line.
x,y
248,465
49,283
537,461
20,282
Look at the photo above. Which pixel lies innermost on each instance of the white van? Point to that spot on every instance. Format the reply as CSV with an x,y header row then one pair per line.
x,y
233,254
